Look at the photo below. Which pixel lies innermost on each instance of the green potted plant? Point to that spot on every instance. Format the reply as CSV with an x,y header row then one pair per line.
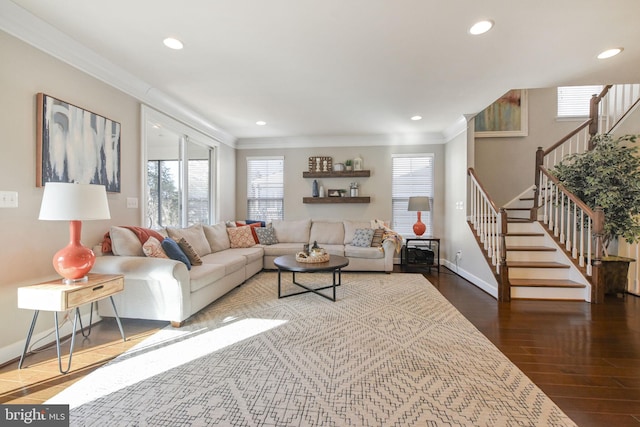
x,y
348,164
608,176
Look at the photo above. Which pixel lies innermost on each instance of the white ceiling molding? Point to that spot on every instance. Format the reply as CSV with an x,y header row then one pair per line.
x,y
457,128
341,141
32,30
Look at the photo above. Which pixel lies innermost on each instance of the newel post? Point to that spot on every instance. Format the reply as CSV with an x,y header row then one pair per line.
x,y
504,287
593,115
597,274
533,215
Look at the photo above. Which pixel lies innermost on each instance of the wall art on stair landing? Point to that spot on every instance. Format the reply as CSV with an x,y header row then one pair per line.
x,y
76,145
507,117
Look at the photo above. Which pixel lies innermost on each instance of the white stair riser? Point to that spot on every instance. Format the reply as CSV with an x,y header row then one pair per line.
x,y
518,214
525,241
538,273
521,227
522,292
531,256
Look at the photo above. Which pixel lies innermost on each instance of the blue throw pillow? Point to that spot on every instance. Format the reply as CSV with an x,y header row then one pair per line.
x,y
174,251
253,221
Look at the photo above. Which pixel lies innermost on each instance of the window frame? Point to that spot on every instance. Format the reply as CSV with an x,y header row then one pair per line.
x,y
266,202
399,203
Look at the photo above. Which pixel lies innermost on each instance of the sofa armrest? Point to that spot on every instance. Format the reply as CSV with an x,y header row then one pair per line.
x,y
154,288
389,251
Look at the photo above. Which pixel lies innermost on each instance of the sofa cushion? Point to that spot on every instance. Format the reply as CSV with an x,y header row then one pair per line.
x,y
153,248
333,249
217,237
327,232
231,261
252,254
194,235
360,252
240,237
266,235
292,231
124,242
173,251
205,274
283,249
188,250
363,237
350,228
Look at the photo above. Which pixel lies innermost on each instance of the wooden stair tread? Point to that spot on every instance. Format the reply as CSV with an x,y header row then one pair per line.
x,y
535,264
518,220
545,283
524,234
517,209
531,248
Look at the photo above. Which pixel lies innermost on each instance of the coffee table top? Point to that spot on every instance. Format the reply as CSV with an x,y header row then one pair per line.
x,y
289,263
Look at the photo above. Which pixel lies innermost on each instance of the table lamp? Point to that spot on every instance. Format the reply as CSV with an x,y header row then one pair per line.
x,y
419,204
63,201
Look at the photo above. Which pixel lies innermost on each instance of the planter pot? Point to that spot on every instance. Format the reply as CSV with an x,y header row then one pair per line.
x,y
615,271
349,168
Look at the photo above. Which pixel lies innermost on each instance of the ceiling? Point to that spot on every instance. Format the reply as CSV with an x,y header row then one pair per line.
x,y
350,67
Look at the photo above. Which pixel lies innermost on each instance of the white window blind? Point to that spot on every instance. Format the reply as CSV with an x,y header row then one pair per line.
x,y
265,188
412,176
574,101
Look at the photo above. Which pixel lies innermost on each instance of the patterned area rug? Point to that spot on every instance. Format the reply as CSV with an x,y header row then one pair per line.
x,y
392,351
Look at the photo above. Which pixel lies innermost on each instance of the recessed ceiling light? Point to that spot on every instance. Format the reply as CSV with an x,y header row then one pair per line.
x,y
609,53
261,123
414,118
172,43
481,27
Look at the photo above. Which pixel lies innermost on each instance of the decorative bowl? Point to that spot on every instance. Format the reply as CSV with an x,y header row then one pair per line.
x,y
338,167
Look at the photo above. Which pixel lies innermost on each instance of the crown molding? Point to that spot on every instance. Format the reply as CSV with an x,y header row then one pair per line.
x,y
21,24
456,129
340,141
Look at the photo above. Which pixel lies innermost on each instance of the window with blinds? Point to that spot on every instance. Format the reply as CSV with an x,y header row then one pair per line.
x,y
574,101
412,175
265,188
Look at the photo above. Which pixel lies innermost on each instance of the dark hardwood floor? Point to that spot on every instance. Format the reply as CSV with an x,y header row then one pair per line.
x,y
585,357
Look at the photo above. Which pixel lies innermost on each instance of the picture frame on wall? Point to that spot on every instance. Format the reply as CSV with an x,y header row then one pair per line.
x,y
76,145
506,117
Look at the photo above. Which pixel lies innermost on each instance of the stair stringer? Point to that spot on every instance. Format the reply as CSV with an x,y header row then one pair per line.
x,y
570,272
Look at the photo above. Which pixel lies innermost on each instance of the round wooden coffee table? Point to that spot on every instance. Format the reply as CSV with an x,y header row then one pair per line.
x,y
289,263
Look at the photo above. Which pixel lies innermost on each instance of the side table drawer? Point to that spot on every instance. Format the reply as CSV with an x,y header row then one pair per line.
x,y
96,292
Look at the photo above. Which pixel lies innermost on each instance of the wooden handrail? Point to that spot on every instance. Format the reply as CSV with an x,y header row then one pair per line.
x,y
568,137
472,173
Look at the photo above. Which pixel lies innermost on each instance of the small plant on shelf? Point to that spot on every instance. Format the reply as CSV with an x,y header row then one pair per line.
x,y
348,164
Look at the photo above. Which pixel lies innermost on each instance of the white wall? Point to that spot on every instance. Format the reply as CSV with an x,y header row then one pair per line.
x,y
458,236
377,159
28,244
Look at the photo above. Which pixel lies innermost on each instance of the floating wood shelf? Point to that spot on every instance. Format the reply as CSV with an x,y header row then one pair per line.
x,y
345,174
336,199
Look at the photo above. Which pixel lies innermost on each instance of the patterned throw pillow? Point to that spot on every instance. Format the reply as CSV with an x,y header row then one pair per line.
x,y
266,235
173,251
191,253
153,248
363,237
241,237
376,242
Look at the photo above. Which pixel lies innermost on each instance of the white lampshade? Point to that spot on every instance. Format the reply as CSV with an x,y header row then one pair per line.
x,y
419,203
63,201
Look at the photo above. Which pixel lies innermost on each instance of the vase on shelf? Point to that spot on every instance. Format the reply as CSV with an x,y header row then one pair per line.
x,y
314,191
321,191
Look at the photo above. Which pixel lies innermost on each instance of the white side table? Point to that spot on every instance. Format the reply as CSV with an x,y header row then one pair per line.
x,y
56,296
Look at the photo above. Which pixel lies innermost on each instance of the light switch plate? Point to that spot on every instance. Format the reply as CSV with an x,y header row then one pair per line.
x,y
8,199
132,202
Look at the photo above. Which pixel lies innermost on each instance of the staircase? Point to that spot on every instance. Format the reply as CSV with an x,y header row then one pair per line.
x,y
538,244
538,267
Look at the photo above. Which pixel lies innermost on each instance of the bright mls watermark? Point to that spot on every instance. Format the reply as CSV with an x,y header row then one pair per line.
x,y
34,415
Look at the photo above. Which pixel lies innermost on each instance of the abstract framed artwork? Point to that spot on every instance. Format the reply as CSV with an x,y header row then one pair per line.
x,y
76,145
506,117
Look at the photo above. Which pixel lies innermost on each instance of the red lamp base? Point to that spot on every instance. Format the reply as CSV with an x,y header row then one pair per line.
x,y
74,261
419,228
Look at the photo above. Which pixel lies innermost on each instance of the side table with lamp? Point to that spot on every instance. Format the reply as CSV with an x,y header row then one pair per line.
x,y
73,203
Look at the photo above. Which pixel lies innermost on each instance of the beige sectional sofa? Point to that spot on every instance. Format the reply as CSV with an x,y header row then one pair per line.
x,y
165,289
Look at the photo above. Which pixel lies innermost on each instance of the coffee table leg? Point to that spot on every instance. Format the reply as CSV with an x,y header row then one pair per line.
x,y
279,283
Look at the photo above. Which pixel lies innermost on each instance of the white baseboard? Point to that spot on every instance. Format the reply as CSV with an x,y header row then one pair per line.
x,y
14,350
489,288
